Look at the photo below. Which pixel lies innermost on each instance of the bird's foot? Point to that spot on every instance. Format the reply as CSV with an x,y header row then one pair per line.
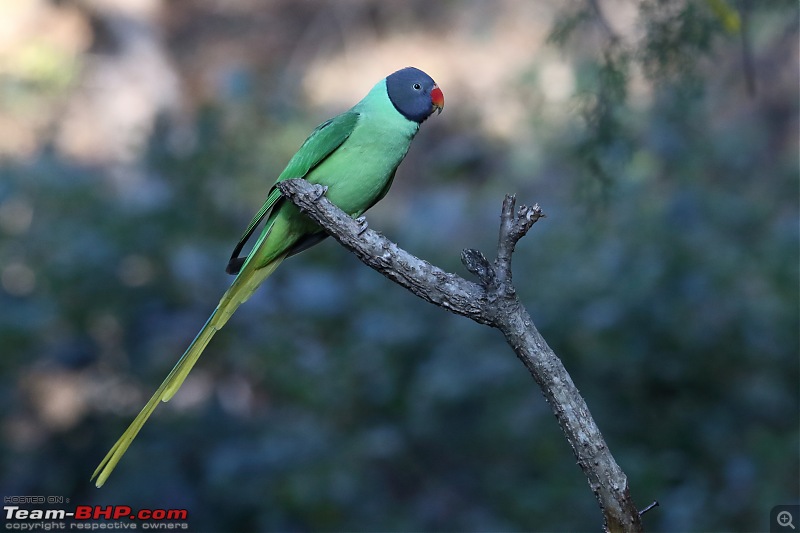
x,y
362,224
320,191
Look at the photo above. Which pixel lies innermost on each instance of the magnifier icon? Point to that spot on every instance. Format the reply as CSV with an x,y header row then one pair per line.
x,y
784,519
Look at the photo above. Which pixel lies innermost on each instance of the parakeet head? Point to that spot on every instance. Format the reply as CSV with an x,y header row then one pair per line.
x,y
414,94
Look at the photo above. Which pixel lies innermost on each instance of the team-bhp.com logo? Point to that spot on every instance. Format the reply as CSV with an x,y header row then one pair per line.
x,y
93,517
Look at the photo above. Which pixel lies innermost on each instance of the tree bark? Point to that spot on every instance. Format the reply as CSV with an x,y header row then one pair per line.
x,y
492,302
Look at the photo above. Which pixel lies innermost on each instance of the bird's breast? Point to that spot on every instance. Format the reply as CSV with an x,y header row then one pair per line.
x,y
359,171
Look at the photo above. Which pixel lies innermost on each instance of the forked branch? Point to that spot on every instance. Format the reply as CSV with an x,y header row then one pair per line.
x,y
493,302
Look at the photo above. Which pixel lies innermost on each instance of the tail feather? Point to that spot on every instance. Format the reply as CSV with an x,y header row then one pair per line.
x,y
239,292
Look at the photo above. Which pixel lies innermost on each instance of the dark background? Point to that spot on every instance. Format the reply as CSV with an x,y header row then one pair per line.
x,y
138,137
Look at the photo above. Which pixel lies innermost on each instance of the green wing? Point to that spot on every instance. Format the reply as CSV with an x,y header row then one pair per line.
x,y
322,142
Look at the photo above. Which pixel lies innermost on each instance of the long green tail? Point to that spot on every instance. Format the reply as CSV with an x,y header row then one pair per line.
x,y
242,288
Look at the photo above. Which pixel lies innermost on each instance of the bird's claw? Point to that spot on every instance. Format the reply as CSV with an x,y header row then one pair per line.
x,y
320,191
362,224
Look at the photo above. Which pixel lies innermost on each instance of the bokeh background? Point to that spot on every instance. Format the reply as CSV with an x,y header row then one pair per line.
x,y
138,137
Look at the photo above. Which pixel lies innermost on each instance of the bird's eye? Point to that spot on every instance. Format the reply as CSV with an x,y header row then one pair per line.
x,y
417,86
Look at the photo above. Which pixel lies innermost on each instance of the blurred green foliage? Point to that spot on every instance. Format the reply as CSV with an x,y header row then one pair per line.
x,y
665,276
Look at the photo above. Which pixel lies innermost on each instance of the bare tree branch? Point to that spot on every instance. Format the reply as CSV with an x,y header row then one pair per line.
x,y
493,302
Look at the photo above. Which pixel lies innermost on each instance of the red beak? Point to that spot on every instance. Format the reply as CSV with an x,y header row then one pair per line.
x,y
437,98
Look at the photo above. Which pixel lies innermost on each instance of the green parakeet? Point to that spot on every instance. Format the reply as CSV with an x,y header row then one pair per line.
x,y
355,155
